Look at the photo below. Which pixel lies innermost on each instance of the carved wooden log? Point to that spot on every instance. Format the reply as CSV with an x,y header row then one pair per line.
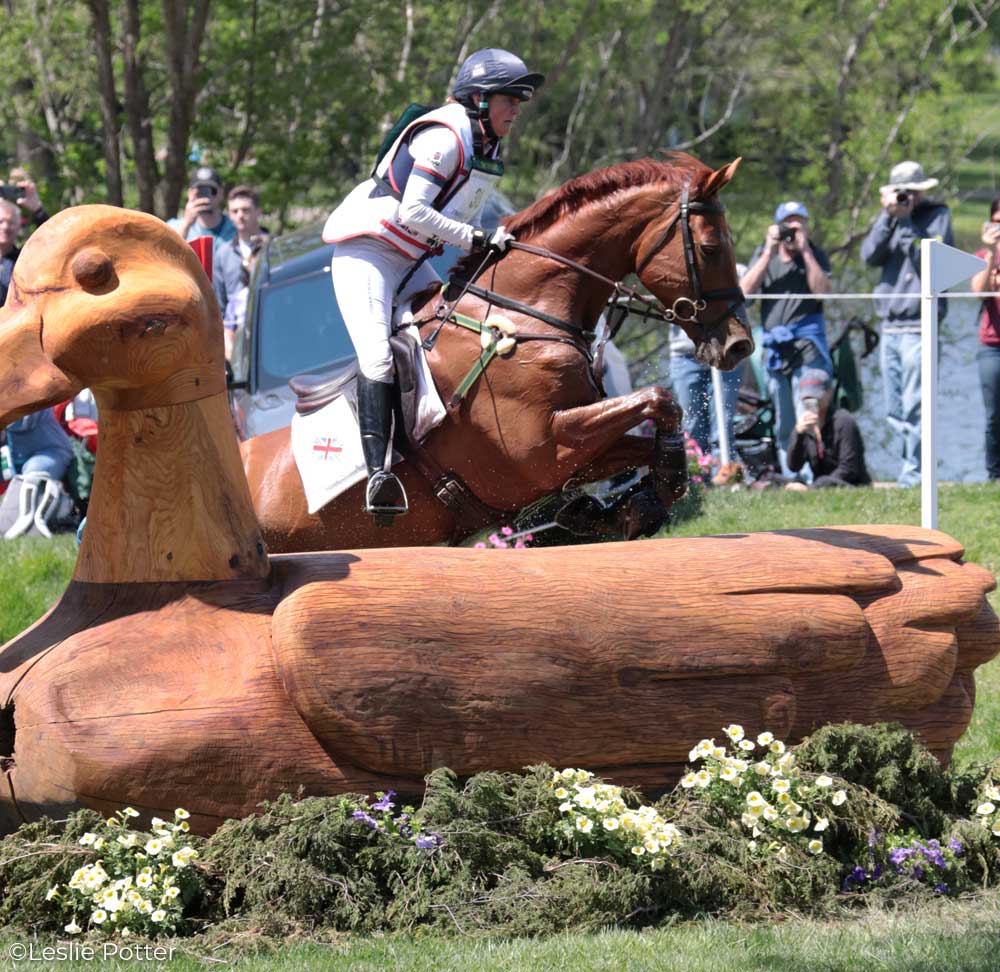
x,y
364,670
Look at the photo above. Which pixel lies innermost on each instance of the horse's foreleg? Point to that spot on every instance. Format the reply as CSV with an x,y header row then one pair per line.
x,y
593,438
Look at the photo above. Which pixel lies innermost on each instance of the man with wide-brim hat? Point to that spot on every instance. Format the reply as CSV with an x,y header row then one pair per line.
x,y
893,244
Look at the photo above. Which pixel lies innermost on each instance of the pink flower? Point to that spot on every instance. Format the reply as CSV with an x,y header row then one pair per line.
x,y
506,531
519,545
696,479
480,546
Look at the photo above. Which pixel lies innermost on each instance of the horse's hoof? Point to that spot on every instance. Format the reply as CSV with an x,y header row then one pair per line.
x,y
583,516
643,515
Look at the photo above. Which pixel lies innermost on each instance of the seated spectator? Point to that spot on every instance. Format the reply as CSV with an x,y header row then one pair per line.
x,y
10,226
988,356
203,215
41,453
826,439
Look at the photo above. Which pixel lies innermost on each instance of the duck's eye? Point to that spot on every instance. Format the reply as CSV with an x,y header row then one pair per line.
x,y
93,269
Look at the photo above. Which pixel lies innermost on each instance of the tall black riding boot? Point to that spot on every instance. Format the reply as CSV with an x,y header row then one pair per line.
x,y
385,497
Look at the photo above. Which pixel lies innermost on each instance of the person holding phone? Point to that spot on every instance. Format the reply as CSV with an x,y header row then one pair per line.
x,y
825,438
893,245
203,215
988,356
17,194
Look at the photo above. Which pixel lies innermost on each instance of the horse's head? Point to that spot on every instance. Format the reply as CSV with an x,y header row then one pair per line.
x,y
686,259
110,299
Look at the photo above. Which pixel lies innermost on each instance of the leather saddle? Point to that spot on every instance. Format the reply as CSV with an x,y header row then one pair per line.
x,y
315,390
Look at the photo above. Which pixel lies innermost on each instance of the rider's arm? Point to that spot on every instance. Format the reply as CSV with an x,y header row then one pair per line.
x,y
436,157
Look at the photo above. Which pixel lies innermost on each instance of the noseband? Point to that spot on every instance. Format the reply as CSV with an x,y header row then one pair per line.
x,y
685,310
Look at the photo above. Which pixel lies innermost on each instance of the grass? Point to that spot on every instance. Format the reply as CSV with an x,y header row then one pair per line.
x,y
938,936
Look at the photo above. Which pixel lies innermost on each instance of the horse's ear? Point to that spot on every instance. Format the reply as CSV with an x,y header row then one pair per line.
x,y
719,179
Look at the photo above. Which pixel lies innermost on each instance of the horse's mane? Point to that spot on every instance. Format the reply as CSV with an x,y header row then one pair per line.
x,y
675,170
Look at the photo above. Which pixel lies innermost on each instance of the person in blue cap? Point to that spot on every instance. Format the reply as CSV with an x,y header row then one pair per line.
x,y
788,262
429,188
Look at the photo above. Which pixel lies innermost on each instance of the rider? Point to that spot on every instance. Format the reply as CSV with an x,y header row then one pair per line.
x,y
429,188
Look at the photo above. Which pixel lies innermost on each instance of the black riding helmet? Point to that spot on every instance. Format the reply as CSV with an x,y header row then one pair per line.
x,y
494,71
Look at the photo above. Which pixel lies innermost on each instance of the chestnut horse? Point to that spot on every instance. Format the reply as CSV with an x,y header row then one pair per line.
x,y
536,418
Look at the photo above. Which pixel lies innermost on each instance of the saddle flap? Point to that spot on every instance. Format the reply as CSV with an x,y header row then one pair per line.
x,y
313,391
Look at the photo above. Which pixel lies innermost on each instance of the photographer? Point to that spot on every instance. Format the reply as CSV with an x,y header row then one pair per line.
x,y
825,438
13,197
788,262
893,243
203,215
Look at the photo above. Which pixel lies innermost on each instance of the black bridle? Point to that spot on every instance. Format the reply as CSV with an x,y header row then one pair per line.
x,y
696,304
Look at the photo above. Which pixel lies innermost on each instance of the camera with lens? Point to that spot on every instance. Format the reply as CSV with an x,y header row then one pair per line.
x,y
10,192
786,234
902,197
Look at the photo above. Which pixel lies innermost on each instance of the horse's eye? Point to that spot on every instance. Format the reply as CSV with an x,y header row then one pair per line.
x,y
709,248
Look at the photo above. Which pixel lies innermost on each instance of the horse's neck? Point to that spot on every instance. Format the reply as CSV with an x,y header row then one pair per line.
x,y
605,246
170,501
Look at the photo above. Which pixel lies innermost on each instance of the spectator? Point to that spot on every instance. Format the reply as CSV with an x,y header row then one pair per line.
x,y
245,213
893,243
988,356
826,438
41,453
203,215
794,330
692,386
10,227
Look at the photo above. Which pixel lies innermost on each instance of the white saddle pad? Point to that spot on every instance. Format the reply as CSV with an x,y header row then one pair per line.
x,y
327,444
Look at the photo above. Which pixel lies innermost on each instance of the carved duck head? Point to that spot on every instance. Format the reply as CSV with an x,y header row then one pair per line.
x,y
110,299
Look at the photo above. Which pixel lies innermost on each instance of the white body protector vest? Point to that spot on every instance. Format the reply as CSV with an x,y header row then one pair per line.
x,y
370,209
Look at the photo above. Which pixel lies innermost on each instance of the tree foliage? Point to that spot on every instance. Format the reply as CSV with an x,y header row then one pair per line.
x,y
113,101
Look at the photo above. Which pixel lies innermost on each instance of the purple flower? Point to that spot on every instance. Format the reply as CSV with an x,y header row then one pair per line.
x,y
876,872
874,838
385,803
941,888
366,819
898,855
428,841
856,877
955,846
918,873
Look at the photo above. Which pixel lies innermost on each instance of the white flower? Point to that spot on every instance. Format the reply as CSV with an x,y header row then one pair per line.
x,y
127,840
584,824
53,892
780,786
157,823
143,880
688,781
718,752
561,793
765,739
144,907
184,826
563,808
638,850
88,839
749,820
99,843
729,774
782,854
770,813
734,732
611,823
568,774
777,747
99,917
173,891
995,829
752,845
746,744
839,797
73,928
821,824
796,824
703,778
153,846
129,812
824,780
992,792
754,799
815,846
651,845
158,915
985,808
761,768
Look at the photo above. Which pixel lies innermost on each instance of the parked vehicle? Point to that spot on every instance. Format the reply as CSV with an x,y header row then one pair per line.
x,y
293,324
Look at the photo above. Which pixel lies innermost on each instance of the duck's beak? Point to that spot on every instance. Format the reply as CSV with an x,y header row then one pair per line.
x,y
29,380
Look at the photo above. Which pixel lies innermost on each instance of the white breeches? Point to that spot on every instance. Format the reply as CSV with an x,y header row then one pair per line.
x,y
365,274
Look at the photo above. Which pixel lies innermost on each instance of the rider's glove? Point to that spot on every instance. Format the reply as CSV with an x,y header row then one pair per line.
x,y
499,241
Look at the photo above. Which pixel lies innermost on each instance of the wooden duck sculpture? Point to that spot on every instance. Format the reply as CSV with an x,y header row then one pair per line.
x,y
183,667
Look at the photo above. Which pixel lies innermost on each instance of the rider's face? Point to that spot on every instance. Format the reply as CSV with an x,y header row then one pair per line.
x,y
504,110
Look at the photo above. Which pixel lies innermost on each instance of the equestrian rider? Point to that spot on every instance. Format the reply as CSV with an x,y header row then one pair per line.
x,y
429,188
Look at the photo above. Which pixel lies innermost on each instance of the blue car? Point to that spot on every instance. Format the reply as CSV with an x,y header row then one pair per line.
x,y
293,324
